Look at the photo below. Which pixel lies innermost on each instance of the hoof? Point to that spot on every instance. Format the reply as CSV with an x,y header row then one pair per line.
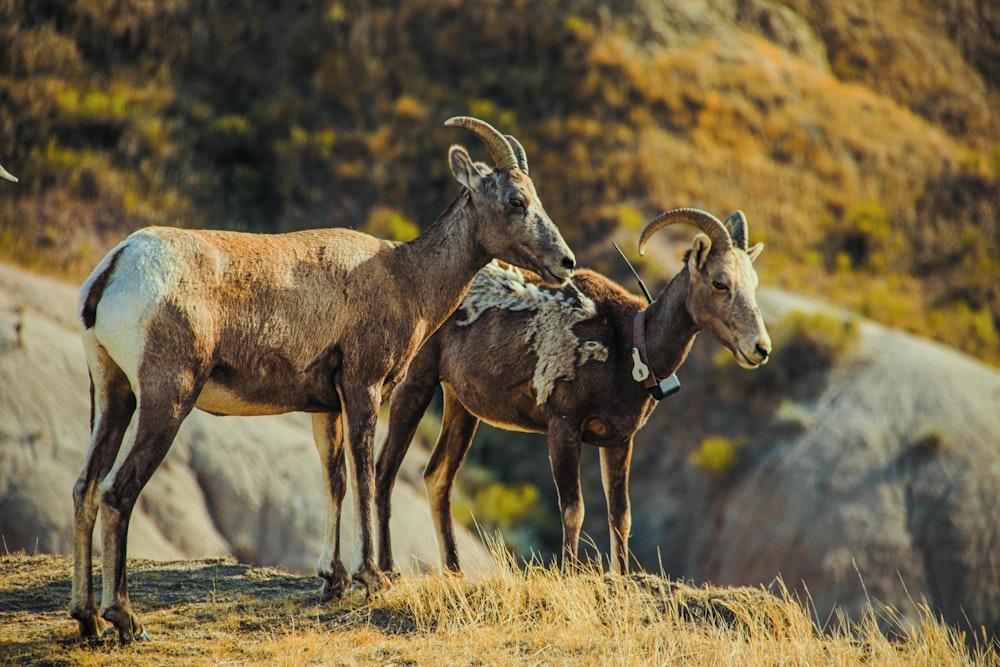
x,y
373,581
333,586
91,625
128,625
357,593
125,638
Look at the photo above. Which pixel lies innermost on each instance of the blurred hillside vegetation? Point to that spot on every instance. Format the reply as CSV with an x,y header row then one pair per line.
x,y
860,136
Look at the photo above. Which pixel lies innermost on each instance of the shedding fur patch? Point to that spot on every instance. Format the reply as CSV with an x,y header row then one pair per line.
x,y
549,332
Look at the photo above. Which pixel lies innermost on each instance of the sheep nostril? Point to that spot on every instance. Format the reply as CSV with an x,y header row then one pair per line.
x,y
568,263
763,351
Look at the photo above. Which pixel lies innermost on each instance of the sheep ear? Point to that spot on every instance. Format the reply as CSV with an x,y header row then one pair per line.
x,y
700,248
755,251
464,168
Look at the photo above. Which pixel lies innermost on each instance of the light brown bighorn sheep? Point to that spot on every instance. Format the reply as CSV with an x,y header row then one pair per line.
x,y
324,321
580,364
6,175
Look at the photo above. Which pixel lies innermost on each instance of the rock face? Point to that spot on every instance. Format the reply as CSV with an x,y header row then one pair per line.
x,y
250,487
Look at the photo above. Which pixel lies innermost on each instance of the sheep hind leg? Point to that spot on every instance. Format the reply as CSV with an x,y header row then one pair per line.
x,y
328,433
160,414
112,406
458,427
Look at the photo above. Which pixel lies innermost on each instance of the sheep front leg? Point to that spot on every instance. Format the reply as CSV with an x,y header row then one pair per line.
x,y
564,455
328,432
615,464
409,402
458,427
360,416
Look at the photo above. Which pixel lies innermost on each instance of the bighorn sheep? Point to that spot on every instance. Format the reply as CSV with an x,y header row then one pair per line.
x,y
580,364
6,175
324,321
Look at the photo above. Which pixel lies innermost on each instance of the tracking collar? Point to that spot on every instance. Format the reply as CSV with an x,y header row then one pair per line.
x,y
641,372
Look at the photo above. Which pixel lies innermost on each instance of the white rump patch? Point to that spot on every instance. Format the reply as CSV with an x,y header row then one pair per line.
x,y
549,333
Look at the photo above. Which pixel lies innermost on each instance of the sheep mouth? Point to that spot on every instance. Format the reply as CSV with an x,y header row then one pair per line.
x,y
745,361
558,277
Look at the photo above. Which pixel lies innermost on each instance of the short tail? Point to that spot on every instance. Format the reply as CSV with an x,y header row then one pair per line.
x,y
95,287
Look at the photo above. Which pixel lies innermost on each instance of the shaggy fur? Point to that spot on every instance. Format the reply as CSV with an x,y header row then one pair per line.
x,y
549,332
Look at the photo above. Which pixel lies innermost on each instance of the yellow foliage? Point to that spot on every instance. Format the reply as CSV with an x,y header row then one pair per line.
x,y
408,106
716,455
493,114
388,223
232,128
580,28
499,504
630,219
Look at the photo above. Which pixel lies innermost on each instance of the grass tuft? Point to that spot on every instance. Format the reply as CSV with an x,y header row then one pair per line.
x,y
220,612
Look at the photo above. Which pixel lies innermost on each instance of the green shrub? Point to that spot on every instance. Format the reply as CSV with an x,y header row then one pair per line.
x,y
867,237
717,455
229,133
494,114
388,223
630,219
515,511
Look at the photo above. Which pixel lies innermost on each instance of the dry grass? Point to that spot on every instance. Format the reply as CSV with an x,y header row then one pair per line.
x,y
220,612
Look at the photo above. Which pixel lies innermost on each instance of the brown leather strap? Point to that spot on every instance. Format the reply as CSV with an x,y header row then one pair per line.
x,y
639,341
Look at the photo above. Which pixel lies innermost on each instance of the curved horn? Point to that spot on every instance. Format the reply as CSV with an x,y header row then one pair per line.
x,y
6,175
706,222
501,151
522,157
737,224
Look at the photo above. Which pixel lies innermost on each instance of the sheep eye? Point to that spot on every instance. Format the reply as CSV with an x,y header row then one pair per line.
x,y
719,285
517,202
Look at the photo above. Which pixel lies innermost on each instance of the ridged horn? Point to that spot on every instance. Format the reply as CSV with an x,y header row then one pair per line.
x,y
500,150
6,175
737,224
704,221
522,157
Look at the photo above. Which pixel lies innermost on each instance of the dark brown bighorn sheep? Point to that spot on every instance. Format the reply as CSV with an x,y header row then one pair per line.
x,y
579,363
324,321
6,175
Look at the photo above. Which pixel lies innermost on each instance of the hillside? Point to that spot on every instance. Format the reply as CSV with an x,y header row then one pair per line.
x,y
211,612
859,136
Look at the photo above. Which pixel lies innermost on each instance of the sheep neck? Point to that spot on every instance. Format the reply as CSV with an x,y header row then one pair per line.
x,y
443,260
670,329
